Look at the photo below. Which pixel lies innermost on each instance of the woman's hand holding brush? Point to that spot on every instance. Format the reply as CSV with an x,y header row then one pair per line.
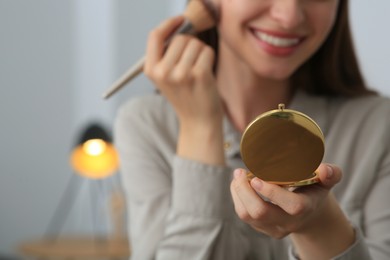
x,y
199,15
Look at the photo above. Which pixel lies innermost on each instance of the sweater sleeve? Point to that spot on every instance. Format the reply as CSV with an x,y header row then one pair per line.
x,y
362,150
374,173
376,222
199,221
177,208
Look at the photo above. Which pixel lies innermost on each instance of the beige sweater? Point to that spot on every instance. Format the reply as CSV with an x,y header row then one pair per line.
x,y
182,209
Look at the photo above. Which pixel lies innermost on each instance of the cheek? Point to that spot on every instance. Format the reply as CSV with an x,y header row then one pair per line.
x,y
229,17
234,16
241,10
323,19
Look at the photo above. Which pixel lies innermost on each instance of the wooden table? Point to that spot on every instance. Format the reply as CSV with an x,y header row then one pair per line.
x,y
84,248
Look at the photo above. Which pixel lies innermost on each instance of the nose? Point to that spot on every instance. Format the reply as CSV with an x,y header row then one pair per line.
x,y
288,13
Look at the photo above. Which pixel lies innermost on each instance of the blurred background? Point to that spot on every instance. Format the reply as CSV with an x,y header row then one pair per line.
x,y
56,60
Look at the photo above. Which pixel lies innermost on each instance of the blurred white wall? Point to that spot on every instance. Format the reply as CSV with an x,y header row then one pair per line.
x,y
58,57
370,23
36,115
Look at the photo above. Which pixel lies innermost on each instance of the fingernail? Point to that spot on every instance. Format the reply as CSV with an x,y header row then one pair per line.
x,y
257,184
237,173
329,174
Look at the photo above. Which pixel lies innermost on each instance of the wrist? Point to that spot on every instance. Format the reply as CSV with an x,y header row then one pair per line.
x,y
202,142
325,236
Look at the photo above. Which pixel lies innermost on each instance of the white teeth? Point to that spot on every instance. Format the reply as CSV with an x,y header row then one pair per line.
x,y
276,41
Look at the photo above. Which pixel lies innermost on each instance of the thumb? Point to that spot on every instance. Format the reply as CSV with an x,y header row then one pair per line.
x,y
329,175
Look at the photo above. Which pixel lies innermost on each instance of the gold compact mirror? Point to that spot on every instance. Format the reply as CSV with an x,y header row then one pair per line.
x,y
283,147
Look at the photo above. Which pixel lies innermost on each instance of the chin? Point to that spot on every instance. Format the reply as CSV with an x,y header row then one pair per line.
x,y
276,74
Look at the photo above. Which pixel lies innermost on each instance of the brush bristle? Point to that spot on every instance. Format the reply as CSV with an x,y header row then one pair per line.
x,y
202,14
212,8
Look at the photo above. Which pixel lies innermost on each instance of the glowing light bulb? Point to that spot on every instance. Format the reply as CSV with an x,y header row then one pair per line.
x,y
95,159
94,147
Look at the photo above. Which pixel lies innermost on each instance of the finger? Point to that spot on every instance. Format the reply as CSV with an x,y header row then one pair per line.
x,y
157,38
329,175
173,53
189,56
250,200
290,202
205,61
238,206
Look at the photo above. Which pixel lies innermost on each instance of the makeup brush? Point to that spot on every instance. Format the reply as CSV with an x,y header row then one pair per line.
x,y
200,15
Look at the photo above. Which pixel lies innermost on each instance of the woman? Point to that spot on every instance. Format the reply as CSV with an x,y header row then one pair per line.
x,y
179,149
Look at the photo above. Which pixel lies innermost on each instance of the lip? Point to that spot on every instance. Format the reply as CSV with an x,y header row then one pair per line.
x,y
277,50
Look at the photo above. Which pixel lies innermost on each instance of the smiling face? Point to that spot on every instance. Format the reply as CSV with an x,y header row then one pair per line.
x,y
273,37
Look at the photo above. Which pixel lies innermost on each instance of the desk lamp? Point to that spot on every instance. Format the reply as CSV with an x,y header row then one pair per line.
x,y
95,160
94,157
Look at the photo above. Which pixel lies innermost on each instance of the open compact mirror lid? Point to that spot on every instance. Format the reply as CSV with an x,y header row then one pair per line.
x,y
284,147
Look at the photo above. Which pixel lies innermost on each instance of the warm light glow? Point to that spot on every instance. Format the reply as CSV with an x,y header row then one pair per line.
x,y
94,147
95,159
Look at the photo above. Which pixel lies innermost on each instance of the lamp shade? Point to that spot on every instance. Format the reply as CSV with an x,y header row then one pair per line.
x,y
94,155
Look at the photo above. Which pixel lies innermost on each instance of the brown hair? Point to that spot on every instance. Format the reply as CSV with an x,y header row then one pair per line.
x,y
333,70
